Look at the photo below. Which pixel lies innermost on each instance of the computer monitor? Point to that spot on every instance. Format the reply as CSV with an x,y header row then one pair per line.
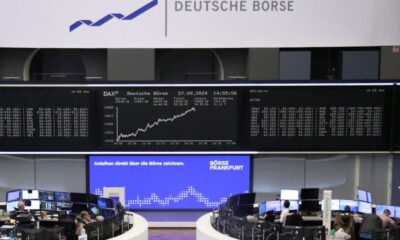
x,y
48,206
364,207
351,203
32,204
273,206
380,208
233,201
289,194
369,197
79,197
13,195
92,199
30,194
77,208
397,212
310,206
10,206
102,202
46,195
335,204
243,210
309,193
246,198
94,210
64,205
294,205
362,195
62,197
262,208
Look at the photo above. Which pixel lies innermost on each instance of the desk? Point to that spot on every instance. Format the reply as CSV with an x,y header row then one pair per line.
x,y
139,231
204,230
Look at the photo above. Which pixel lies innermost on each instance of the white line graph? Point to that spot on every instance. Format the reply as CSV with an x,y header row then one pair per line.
x,y
190,191
149,125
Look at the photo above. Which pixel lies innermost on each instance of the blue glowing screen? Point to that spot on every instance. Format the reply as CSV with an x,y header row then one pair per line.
x,y
170,182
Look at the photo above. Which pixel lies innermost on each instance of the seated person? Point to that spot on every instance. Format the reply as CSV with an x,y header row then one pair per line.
x,y
371,223
285,212
386,220
344,227
86,217
81,222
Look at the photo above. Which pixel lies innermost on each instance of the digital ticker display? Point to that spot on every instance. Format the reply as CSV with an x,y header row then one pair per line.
x,y
46,118
170,182
164,118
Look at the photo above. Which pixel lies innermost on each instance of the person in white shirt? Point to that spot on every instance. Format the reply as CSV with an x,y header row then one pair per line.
x,y
285,212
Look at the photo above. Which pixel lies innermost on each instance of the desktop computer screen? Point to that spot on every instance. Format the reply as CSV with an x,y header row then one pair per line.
x,y
351,203
289,194
171,182
63,205
10,206
48,206
32,204
273,206
369,197
396,212
334,205
62,197
46,195
309,193
102,203
364,207
362,195
380,208
262,208
30,194
13,196
79,197
294,205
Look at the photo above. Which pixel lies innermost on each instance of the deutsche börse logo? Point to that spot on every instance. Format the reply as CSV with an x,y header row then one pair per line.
x,y
224,165
110,16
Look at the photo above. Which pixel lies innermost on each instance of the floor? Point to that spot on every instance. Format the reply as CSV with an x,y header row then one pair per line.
x,y
172,234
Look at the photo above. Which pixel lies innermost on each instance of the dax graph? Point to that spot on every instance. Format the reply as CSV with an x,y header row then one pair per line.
x,y
170,118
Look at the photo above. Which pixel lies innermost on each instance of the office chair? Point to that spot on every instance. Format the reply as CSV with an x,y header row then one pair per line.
x,y
294,219
54,233
32,234
314,232
235,227
291,233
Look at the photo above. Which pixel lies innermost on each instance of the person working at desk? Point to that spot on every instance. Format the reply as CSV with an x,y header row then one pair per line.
x,y
285,212
386,220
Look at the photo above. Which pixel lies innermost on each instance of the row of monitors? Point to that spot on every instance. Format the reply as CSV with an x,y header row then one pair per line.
x,y
247,118
305,193
38,199
312,193
363,207
314,206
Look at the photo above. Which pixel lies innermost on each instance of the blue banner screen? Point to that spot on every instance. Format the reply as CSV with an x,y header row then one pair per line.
x,y
170,182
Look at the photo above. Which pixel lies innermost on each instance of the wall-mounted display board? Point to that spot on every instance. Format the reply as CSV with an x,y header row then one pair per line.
x,y
46,118
257,118
319,118
170,118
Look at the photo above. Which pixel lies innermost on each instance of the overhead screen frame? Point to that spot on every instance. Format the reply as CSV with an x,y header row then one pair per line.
x,y
240,134
251,180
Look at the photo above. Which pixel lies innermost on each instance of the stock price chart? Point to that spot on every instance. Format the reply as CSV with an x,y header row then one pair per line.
x,y
170,118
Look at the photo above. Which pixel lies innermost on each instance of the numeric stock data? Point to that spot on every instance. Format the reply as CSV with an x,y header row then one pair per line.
x,y
319,118
45,118
166,118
